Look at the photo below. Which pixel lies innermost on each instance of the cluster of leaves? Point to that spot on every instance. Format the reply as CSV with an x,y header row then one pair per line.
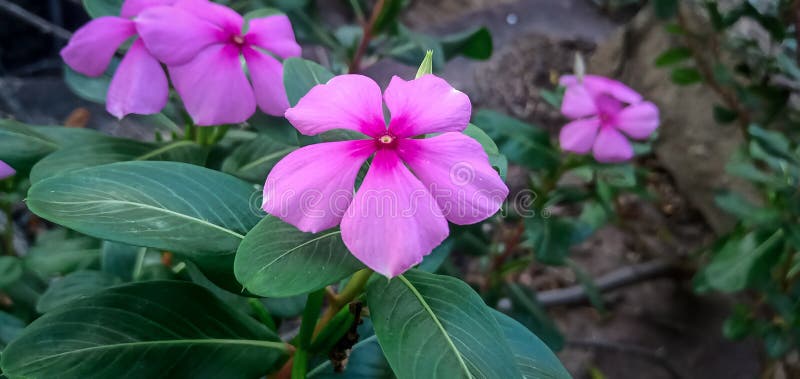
x,y
756,75
162,264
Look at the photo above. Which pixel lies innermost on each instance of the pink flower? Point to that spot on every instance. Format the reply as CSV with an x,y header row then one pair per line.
x,y
201,43
6,170
139,85
604,109
396,217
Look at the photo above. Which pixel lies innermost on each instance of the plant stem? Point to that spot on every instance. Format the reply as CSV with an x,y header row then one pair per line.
x,y
353,288
309,322
262,313
299,364
355,64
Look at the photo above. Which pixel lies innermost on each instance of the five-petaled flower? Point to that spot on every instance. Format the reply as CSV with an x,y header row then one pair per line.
x,y
139,85
6,170
603,109
395,218
201,43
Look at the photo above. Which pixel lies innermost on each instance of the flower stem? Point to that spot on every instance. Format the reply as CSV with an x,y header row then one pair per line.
x,y
355,64
8,238
353,288
262,313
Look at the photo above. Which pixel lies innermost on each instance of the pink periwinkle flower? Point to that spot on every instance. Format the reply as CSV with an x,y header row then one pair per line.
x,y
396,217
139,85
604,111
6,170
201,44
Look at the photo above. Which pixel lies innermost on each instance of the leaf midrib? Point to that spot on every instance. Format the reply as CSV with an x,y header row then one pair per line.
x,y
258,343
438,323
164,149
287,252
164,210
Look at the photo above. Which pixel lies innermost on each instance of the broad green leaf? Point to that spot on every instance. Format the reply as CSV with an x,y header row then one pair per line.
x,y
497,160
60,252
410,47
253,160
92,89
673,56
734,266
120,259
21,145
77,285
438,256
10,328
534,359
685,76
746,211
550,238
98,8
527,310
200,213
277,260
300,75
10,270
65,136
285,307
475,44
112,150
520,142
144,330
434,326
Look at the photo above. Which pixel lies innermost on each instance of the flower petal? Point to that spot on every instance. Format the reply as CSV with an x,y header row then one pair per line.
x,y
175,35
267,76
312,187
577,102
393,221
426,105
611,146
275,34
91,48
578,136
221,16
345,102
456,170
638,121
598,85
131,8
139,85
6,170
214,88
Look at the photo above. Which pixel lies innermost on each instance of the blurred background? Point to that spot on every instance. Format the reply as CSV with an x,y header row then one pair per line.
x,y
654,323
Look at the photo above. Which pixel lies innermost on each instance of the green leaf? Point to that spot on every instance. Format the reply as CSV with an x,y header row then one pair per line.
x,y
686,76
60,252
10,328
409,47
497,160
77,285
278,260
98,8
144,330
10,270
178,207
739,325
92,89
673,56
734,266
112,150
426,67
533,358
475,44
120,259
300,75
253,160
366,360
743,209
550,237
21,145
438,256
433,326
526,310
520,142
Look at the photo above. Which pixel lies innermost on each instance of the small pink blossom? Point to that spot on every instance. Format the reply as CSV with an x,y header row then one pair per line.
x,y
6,170
396,217
603,109
201,44
139,85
